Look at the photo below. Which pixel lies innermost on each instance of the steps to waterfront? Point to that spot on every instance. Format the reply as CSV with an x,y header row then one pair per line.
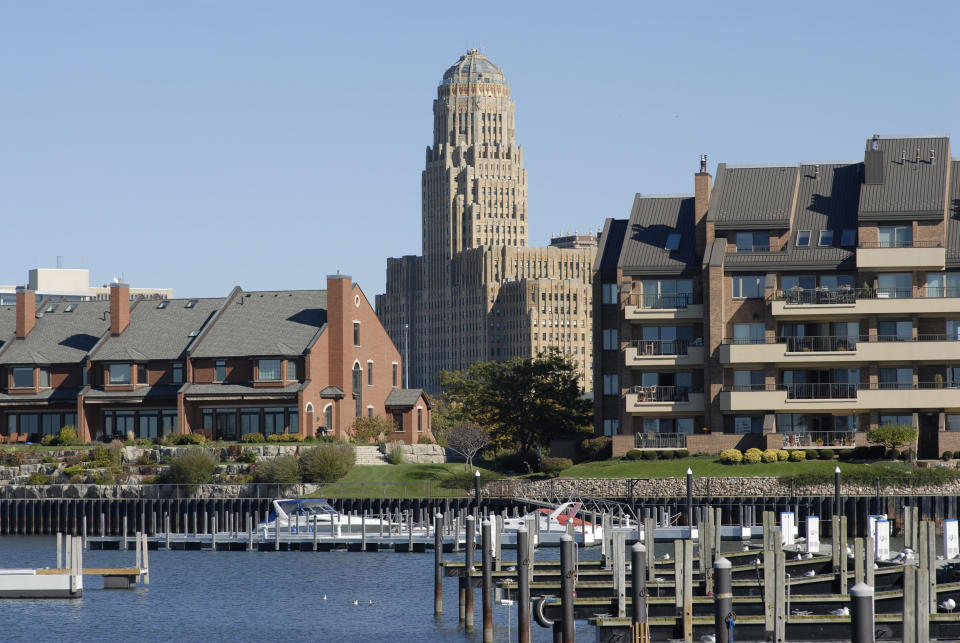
x,y
367,455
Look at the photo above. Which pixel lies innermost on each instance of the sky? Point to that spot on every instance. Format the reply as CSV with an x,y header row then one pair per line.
x,y
201,145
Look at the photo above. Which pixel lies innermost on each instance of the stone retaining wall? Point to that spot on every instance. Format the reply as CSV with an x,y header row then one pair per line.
x,y
418,453
138,491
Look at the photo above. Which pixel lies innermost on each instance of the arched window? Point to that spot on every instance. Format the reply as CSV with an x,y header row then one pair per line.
x,y
358,389
328,419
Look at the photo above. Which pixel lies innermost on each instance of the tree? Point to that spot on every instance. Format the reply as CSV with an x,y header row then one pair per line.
x,y
892,436
523,402
367,429
467,438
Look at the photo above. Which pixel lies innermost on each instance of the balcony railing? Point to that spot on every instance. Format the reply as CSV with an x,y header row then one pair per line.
x,y
662,393
836,390
819,439
821,391
762,247
680,301
653,347
660,441
901,244
826,343
826,296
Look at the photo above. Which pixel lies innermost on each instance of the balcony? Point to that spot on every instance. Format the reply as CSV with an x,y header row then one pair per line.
x,y
653,307
910,255
842,348
664,352
819,439
819,302
663,399
660,440
801,398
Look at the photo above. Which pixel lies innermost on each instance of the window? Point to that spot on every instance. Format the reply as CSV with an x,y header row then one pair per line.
x,y
395,368
610,340
747,286
803,238
953,422
191,303
943,284
22,377
268,370
419,419
666,293
611,427
291,369
70,308
748,424
220,371
357,389
51,308
162,304
356,333
893,330
610,294
119,374
673,241
141,373
748,381
328,418
848,238
43,377
895,285
369,373
397,421
273,420
226,424
369,411
753,242
749,333
895,236
168,422
896,419
249,421
611,384
177,373
896,378
826,238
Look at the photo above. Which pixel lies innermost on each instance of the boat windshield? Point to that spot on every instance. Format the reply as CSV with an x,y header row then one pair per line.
x,y
307,508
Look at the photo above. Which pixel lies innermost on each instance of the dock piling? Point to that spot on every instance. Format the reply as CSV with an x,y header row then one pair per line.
x,y
438,565
146,563
566,587
486,561
523,584
638,588
59,550
723,599
471,540
861,614
620,573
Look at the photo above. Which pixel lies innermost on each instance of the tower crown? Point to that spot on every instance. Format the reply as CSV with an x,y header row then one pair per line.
x,y
473,67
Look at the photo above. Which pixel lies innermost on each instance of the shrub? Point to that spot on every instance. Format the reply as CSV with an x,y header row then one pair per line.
x,y
876,452
189,438
38,478
424,440
812,454
861,453
903,455
144,460
249,456
634,454
366,429
283,469
752,456
192,468
681,453
108,456
666,454
947,455
783,455
464,480
599,448
253,438
845,454
396,455
649,455
285,437
798,455
826,454
11,458
731,456
770,455
553,466
892,436
326,462
47,440
72,470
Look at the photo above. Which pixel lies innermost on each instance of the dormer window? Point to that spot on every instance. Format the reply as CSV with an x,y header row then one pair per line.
x,y
849,238
163,304
268,370
70,308
753,242
51,308
191,303
118,373
826,238
43,377
803,238
291,369
23,377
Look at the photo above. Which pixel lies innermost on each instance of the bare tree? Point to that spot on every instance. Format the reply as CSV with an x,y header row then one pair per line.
x,y
467,438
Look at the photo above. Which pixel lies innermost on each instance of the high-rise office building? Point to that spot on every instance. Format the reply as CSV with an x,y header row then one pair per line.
x,y
479,292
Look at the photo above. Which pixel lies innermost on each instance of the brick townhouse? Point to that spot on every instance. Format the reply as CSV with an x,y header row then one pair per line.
x,y
793,305
269,362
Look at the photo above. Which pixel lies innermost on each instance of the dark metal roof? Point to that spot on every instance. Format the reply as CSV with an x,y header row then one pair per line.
x,y
751,196
610,244
651,220
953,218
268,323
160,333
404,397
910,188
162,392
60,337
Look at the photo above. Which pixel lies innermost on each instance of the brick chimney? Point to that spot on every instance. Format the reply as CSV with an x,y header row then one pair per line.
x,y
119,307
703,184
26,311
340,327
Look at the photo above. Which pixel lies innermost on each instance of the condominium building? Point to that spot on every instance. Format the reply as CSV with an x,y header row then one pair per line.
x,y
786,305
479,292
72,284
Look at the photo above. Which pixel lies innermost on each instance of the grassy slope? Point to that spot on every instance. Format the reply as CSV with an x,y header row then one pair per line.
x,y
395,481
705,466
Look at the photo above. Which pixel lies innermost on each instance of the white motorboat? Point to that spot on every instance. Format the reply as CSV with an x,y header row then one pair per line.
x,y
552,524
301,516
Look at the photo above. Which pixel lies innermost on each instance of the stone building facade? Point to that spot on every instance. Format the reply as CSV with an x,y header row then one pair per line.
x,y
479,292
793,305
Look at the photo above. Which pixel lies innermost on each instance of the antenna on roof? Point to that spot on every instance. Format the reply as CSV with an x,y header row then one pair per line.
x,y
917,160
903,157
703,164
873,144
931,157
816,171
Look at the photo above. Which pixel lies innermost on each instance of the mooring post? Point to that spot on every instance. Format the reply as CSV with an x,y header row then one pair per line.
x,y
859,560
250,532
139,561
476,487
126,545
438,565
213,533
649,541
59,550
497,541
861,614
314,530
85,543
620,574
410,531
722,599
103,526
932,565
471,541
566,587
690,520
146,563
869,555
523,584
688,590
166,522
638,554
363,531
276,533
836,491
910,604
486,561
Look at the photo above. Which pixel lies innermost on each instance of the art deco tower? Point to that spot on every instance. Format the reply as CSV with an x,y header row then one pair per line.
x,y
479,292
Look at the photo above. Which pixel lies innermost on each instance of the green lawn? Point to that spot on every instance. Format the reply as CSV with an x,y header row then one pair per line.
x,y
709,466
397,481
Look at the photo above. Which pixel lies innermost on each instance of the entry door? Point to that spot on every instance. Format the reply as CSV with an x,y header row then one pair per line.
x,y
928,445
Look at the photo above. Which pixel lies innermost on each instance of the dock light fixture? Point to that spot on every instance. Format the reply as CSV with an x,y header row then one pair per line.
x,y
836,491
476,487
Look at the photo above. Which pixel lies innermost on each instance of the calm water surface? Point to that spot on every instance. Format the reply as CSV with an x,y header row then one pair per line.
x,y
252,596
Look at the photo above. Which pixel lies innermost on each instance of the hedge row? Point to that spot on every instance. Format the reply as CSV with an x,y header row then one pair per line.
x,y
648,454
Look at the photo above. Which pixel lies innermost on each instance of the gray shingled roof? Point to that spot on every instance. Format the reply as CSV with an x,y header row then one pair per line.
x,y
751,196
909,188
404,397
826,200
8,323
162,392
265,323
610,245
44,397
60,337
233,390
651,220
953,220
332,391
158,333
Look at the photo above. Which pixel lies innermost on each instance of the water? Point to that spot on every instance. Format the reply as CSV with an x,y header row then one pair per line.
x,y
259,596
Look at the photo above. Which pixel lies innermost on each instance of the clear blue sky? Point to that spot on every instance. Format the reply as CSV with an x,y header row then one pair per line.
x,y
201,145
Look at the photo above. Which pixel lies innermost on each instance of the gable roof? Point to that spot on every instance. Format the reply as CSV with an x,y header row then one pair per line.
x,y
158,330
268,322
652,219
909,188
59,337
610,245
8,323
953,218
748,196
405,397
